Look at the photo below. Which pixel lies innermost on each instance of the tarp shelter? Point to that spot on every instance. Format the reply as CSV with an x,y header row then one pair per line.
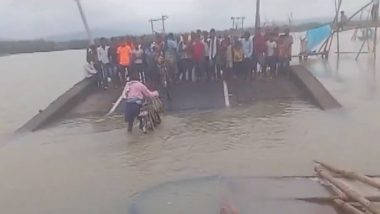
x,y
316,36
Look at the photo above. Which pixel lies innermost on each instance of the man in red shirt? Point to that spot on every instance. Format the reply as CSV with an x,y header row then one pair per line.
x,y
198,56
259,49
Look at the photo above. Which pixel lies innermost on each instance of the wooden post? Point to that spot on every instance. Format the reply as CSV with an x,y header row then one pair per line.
x,y
352,194
339,25
351,175
375,38
328,47
375,43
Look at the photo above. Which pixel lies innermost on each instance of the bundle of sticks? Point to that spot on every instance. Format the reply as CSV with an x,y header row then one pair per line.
x,y
347,198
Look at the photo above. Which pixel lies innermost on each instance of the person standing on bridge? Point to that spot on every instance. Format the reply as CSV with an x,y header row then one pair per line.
x,y
138,61
171,56
93,60
185,53
259,48
113,58
105,65
213,51
206,62
124,52
198,56
288,43
134,94
238,57
247,44
271,56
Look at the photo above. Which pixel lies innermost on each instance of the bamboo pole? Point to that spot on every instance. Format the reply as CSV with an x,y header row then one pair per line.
x,y
346,207
375,43
359,11
85,23
331,41
352,194
338,25
351,175
360,50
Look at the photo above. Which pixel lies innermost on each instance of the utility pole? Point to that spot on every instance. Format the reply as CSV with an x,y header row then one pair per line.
x,y
162,20
235,22
85,23
257,21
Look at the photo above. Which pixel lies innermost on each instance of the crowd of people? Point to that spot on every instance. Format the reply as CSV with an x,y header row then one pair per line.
x,y
198,56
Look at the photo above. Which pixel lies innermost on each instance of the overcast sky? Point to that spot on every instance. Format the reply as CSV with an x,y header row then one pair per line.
x,y
43,18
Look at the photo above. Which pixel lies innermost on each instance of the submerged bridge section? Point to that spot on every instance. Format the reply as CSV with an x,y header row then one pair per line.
x,y
194,96
84,100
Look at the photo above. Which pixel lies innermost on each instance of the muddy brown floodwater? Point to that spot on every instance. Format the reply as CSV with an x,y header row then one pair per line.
x,y
81,166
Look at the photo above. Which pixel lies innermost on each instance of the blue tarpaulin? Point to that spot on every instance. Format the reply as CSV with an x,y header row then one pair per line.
x,y
316,36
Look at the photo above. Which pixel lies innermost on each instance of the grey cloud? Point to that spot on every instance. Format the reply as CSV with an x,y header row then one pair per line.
x,y
41,18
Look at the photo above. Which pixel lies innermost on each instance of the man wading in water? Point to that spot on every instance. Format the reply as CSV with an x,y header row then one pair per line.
x,y
134,94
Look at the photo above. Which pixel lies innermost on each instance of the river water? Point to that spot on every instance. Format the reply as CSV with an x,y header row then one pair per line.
x,y
81,166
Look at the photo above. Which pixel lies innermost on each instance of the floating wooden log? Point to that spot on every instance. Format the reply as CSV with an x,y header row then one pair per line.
x,y
341,195
351,175
346,207
352,194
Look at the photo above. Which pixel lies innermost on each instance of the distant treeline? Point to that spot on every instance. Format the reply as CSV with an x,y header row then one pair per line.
x,y
31,46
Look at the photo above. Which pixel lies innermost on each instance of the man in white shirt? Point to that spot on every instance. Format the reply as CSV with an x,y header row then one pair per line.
x,y
271,55
213,52
247,45
106,67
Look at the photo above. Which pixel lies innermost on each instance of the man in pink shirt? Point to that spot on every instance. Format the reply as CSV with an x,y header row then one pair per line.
x,y
134,94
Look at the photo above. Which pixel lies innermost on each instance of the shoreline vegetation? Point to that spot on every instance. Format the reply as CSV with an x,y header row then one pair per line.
x,y
40,45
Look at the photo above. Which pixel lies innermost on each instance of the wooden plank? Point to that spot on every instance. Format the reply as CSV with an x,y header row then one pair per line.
x,y
351,175
347,208
352,194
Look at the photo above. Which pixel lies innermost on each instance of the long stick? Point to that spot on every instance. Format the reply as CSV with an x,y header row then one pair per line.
x,y
346,207
115,106
351,175
352,194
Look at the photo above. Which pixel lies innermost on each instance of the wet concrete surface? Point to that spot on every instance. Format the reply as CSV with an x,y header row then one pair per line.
x,y
194,96
282,87
99,102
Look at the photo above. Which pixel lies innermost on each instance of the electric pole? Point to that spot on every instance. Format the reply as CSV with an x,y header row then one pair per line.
x,y
257,21
162,20
235,22
85,23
